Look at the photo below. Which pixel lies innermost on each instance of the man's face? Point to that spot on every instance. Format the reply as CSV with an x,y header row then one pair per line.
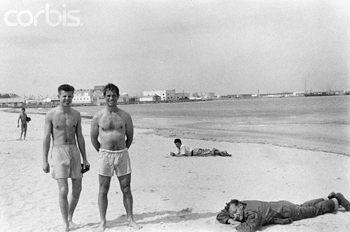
x,y
65,98
236,212
178,145
111,98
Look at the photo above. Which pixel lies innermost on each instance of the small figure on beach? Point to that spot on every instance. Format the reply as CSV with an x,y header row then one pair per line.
x,y
63,125
249,216
112,133
24,119
182,150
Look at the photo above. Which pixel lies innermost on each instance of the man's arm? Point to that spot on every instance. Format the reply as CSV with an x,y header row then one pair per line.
x,y
81,142
47,141
129,130
253,223
94,132
176,153
18,120
223,217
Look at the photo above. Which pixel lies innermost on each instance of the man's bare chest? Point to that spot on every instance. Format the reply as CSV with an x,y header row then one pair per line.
x,y
64,122
112,122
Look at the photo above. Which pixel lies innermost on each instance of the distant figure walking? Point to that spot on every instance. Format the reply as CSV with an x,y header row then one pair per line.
x,y
24,119
63,124
182,150
112,132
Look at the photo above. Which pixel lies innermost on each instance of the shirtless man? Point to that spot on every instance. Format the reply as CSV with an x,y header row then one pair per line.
x,y
23,118
63,124
112,133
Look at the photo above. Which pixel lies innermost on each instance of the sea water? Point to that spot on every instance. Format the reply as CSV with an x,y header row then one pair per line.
x,y
313,123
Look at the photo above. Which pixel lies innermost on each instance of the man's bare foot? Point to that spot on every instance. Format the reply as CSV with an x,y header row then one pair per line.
x,y
134,225
102,226
72,225
65,227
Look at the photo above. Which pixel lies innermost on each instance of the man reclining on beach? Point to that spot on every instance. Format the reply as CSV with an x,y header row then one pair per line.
x,y
250,216
182,150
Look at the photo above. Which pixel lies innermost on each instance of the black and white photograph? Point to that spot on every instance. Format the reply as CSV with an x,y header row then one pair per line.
x,y
175,115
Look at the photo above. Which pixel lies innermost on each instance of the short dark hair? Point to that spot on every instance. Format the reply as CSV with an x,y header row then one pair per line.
x,y
24,109
177,141
66,88
112,88
233,201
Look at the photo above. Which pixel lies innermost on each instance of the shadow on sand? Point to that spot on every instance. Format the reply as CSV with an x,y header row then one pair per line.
x,y
157,217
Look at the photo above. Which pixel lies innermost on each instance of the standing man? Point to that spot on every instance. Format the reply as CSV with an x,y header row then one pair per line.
x,y
63,124
23,118
114,129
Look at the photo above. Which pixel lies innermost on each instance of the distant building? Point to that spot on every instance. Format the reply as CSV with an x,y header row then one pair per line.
x,y
97,95
298,94
276,95
124,98
47,100
182,96
164,95
150,98
82,96
202,95
12,102
99,87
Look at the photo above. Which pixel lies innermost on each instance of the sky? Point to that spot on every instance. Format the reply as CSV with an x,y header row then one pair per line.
x,y
222,46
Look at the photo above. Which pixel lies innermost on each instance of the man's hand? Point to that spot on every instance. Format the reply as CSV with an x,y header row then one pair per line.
x,y
86,165
46,167
233,223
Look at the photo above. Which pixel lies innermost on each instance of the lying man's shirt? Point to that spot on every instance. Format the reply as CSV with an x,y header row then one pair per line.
x,y
183,150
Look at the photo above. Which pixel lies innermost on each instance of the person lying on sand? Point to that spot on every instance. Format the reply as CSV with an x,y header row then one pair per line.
x,y
250,216
182,150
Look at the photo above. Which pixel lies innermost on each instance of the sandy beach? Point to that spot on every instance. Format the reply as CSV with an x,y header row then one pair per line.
x,y
170,193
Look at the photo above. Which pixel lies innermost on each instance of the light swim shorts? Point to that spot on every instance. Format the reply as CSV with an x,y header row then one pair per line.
x,y
66,162
110,161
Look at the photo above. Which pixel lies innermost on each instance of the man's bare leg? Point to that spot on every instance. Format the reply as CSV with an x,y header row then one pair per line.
x,y
127,199
73,201
25,133
103,200
63,202
216,152
20,138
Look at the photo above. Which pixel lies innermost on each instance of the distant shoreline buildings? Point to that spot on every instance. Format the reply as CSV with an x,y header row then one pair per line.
x,y
87,97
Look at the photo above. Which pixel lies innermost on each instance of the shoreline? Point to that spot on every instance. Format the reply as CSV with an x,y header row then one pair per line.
x,y
258,143
185,133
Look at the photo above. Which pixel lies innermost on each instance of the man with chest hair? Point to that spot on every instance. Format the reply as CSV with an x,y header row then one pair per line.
x,y
112,133
63,125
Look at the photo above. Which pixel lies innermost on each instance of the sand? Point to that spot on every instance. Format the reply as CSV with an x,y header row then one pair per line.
x,y
170,193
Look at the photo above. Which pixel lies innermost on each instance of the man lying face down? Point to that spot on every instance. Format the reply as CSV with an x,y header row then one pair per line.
x,y
182,150
249,216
